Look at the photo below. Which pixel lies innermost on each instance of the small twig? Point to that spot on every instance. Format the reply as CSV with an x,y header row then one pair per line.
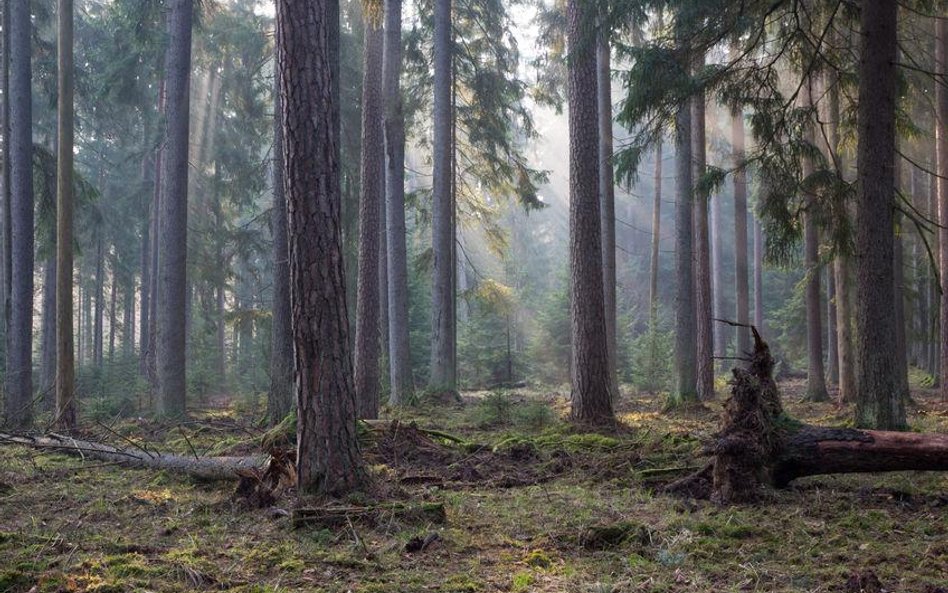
x,y
355,534
188,441
140,447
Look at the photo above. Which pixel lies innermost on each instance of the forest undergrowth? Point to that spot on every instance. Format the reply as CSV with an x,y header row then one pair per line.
x,y
530,505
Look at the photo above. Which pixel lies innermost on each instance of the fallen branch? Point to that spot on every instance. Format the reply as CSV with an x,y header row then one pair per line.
x,y
335,516
205,468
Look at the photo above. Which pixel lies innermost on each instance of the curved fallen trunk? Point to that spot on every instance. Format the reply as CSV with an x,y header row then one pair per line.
x,y
205,468
758,445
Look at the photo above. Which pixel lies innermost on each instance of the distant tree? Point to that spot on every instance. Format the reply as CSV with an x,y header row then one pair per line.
x,y
399,355
328,457
19,370
66,408
367,333
878,403
591,396
702,269
173,219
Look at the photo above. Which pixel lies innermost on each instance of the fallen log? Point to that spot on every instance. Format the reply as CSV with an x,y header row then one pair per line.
x,y
758,445
205,468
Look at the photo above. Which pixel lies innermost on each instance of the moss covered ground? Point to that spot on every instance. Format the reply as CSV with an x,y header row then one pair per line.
x,y
592,521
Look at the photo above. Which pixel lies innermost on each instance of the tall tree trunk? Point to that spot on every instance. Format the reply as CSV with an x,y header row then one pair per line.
x,y
686,373
367,338
47,384
173,219
6,245
703,296
19,376
898,272
402,385
878,404
815,379
97,340
113,295
443,375
328,457
591,395
740,234
280,399
941,166
759,277
721,331
656,240
151,173
128,323
607,203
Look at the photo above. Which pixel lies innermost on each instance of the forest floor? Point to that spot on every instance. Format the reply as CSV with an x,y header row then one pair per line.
x,y
531,505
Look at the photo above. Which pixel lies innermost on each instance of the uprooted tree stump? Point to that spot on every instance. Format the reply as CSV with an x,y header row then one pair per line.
x,y
759,445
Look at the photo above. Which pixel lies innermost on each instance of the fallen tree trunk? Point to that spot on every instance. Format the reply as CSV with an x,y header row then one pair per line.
x,y
337,516
205,468
758,445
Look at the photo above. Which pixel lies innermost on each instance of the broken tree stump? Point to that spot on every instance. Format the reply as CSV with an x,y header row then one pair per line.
x,y
758,445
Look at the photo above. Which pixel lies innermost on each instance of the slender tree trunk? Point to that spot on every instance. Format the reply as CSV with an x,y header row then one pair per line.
x,y
607,204
367,338
328,457
932,325
686,373
151,174
703,297
19,389
815,380
402,385
740,234
941,165
721,331
656,240
173,219
280,400
591,395
759,277
901,337
878,403
113,295
48,353
443,375
97,329
128,323
832,350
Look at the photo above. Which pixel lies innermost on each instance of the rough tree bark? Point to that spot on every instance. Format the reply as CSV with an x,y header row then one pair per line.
x,y
367,334
19,371
6,244
607,199
703,297
742,291
280,398
173,219
815,378
443,372
402,384
878,404
328,457
591,395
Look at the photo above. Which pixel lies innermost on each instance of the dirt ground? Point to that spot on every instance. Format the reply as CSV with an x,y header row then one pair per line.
x,y
531,505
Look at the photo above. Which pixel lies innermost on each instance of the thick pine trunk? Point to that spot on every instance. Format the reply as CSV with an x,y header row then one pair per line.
x,y
367,334
878,403
443,371
400,372
280,397
607,201
742,291
591,395
173,218
686,374
18,410
703,296
328,457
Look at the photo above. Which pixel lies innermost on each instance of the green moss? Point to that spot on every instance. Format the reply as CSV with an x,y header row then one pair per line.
x,y
15,581
521,582
538,559
460,583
